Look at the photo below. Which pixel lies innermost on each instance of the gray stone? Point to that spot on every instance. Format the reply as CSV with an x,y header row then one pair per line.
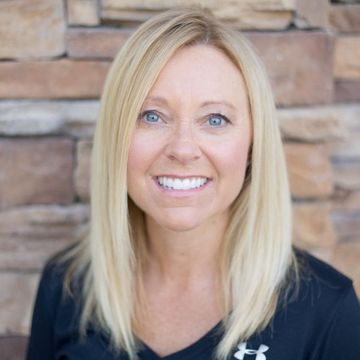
x,y
348,115
347,225
344,200
347,175
26,118
347,150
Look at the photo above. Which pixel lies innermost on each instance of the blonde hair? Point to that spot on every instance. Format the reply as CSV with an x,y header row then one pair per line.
x,y
257,251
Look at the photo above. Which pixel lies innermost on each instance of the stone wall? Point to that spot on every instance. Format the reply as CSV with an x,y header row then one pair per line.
x,y
54,55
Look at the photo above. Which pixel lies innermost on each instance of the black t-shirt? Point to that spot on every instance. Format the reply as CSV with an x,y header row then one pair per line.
x,y
321,323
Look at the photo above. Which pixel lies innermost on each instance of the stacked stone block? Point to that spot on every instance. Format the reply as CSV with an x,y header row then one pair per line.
x,y
54,55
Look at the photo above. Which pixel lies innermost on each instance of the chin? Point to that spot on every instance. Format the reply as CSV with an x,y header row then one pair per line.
x,y
178,224
180,227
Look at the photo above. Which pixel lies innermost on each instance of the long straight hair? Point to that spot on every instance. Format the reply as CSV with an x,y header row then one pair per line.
x,y
256,251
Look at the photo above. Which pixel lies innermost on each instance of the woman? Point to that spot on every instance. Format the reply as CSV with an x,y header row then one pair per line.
x,y
189,252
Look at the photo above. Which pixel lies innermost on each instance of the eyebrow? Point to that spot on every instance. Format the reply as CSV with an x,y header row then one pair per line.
x,y
163,101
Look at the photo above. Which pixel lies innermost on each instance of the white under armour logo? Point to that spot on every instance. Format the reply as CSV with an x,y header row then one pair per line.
x,y
244,351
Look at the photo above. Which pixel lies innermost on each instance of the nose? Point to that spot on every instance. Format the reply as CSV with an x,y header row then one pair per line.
x,y
182,146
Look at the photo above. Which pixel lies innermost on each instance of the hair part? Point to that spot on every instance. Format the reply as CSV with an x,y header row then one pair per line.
x,y
256,252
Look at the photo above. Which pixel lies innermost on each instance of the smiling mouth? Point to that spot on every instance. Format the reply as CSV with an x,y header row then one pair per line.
x,y
181,184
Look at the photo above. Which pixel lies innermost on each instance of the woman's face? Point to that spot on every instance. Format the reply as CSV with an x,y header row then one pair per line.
x,y
189,151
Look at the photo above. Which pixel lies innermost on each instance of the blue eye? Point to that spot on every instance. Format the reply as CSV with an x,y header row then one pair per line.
x,y
217,120
150,117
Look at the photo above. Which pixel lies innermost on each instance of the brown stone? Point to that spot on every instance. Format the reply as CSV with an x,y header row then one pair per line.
x,y
31,29
83,12
310,171
30,235
313,124
346,91
347,58
297,79
347,175
345,18
13,347
52,79
82,172
313,14
347,260
245,14
313,228
15,310
95,43
36,171
337,124
252,18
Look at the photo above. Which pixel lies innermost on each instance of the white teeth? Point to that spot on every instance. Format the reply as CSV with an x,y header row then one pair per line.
x,y
181,184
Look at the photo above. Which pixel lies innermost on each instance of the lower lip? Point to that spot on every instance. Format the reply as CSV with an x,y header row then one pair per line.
x,y
181,192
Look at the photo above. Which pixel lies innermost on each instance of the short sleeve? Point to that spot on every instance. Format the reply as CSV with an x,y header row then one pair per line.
x,y
343,336
41,340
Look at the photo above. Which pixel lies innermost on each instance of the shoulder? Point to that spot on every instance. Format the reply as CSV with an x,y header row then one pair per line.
x,y
323,294
321,314
52,280
320,276
319,291
53,272
327,309
317,272
61,294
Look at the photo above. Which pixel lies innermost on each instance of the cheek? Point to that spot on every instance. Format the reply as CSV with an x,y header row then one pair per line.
x,y
141,152
233,157
237,158
135,165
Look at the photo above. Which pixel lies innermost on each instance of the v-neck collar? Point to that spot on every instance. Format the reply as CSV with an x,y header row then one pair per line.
x,y
206,342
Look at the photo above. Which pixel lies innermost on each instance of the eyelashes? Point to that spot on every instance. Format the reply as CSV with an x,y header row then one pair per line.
x,y
215,120
150,116
218,116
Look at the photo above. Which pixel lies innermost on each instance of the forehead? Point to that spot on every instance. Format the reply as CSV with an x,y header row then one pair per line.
x,y
200,71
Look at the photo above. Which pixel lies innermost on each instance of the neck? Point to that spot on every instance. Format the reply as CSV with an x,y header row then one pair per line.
x,y
185,257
